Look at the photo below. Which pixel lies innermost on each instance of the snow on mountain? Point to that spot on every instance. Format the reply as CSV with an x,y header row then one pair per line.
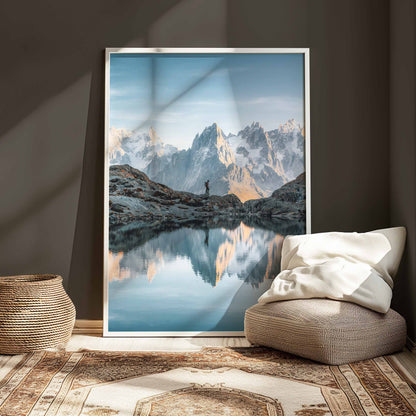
x,y
288,142
251,164
253,150
212,143
209,157
290,126
115,143
136,149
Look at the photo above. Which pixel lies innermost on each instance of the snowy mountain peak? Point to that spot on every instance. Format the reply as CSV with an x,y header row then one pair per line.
x,y
115,142
290,126
154,138
116,136
212,142
288,143
210,136
136,149
255,136
255,126
213,129
252,164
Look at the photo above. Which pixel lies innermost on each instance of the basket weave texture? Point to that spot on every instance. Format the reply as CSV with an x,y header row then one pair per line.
x,y
35,313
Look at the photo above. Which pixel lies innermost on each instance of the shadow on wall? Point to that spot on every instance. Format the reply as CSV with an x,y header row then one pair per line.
x,y
40,172
52,136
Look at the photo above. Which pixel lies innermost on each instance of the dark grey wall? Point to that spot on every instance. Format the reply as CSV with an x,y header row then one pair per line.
x,y
403,149
51,135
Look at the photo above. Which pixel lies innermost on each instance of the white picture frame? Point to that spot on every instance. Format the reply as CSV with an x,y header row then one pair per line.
x,y
111,51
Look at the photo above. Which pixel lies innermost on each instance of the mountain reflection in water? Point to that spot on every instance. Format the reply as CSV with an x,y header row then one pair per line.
x,y
190,279
251,254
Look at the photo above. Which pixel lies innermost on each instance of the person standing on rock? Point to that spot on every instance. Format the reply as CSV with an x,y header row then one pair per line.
x,y
207,187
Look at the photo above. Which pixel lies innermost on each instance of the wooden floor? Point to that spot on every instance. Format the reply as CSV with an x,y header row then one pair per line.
x,y
407,361
96,342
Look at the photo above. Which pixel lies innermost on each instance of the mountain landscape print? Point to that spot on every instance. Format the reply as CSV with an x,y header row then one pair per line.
x,y
206,168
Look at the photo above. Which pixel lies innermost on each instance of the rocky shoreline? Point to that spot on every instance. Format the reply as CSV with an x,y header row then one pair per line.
x,y
134,198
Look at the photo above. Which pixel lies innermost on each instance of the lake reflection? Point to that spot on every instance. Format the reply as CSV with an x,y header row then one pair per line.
x,y
191,279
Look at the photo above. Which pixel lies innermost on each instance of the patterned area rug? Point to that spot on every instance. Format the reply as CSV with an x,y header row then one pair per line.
x,y
214,381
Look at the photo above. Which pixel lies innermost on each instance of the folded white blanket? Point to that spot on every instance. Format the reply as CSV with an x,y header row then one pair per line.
x,y
354,267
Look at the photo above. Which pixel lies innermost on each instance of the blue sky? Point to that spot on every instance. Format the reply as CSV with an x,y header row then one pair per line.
x,y
180,94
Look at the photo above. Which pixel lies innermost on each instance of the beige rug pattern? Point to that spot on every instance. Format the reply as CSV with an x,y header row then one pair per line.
x,y
214,381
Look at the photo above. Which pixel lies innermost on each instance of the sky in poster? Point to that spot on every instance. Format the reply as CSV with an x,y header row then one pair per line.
x,y
181,94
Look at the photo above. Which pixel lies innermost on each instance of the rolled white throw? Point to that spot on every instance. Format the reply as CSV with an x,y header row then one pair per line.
x,y
354,267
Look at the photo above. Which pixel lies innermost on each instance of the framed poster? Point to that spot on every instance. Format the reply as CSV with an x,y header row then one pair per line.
x,y
206,169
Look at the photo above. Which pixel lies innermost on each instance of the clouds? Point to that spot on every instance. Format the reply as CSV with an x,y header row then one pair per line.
x,y
278,103
180,94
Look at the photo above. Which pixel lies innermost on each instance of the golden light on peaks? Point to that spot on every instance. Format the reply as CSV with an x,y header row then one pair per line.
x,y
116,272
151,271
154,265
243,192
274,246
225,253
227,249
245,232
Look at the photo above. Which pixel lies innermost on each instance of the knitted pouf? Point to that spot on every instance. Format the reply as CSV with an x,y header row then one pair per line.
x,y
324,330
35,313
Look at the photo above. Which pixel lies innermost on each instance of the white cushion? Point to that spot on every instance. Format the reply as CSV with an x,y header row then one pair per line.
x,y
356,267
397,239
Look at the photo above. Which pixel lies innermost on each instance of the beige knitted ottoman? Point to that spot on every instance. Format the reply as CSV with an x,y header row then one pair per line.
x,y
324,330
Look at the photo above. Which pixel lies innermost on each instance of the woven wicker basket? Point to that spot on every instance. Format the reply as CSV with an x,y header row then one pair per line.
x,y
35,313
